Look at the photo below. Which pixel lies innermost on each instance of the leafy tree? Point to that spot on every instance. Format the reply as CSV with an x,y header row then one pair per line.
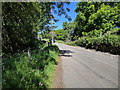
x,y
20,25
22,21
84,10
60,34
69,28
91,16
105,18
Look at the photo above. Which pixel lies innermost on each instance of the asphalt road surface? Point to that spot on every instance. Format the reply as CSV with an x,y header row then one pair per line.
x,y
85,68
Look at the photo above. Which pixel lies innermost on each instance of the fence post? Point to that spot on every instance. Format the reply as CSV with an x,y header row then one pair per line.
x,y
29,55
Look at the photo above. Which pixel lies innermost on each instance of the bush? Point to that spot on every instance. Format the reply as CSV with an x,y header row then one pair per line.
x,y
108,43
92,33
35,72
71,43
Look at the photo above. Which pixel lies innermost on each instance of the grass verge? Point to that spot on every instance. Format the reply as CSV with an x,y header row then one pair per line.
x,y
72,43
35,72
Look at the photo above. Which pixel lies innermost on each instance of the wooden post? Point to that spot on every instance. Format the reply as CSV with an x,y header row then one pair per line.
x,y
29,53
38,36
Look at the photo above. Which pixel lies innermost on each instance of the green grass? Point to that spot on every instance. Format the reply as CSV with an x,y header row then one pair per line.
x,y
45,39
60,41
72,43
36,72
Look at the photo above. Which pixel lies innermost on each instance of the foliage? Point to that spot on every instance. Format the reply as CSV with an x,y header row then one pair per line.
x,y
96,16
22,21
108,43
35,72
60,34
68,43
73,43
60,41
105,18
92,33
69,28
61,9
113,31
98,33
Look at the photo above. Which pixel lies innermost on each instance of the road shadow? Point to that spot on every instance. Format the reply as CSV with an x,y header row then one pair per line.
x,y
65,53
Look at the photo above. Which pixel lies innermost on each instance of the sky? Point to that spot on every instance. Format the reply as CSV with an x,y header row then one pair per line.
x,y
62,18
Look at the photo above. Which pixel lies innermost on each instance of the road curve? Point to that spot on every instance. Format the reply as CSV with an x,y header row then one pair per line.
x,y
84,68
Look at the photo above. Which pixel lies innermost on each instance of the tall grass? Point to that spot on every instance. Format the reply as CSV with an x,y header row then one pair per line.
x,y
20,71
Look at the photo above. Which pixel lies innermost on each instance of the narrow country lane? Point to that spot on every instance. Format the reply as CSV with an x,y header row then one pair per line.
x,y
84,68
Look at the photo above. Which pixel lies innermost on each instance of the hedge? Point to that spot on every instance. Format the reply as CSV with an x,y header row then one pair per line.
x,y
109,43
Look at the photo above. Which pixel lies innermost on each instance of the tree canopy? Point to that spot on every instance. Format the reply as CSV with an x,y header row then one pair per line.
x,y
97,15
22,21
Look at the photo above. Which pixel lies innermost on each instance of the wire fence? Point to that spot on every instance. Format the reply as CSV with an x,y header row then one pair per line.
x,y
17,58
26,52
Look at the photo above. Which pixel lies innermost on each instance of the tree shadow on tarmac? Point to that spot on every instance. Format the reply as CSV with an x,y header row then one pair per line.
x,y
65,53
